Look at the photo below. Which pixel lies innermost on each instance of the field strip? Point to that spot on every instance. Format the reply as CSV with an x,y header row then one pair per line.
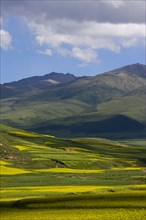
x,y
2,162
129,168
11,170
69,188
5,170
55,188
21,148
24,134
68,170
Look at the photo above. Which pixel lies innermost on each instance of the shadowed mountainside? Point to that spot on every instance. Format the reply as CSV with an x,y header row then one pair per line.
x,y
109,103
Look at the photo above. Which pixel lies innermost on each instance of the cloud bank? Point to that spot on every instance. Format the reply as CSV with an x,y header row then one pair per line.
x,y
80,29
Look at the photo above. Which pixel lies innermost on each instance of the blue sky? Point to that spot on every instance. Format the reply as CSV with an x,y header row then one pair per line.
x,y
82,38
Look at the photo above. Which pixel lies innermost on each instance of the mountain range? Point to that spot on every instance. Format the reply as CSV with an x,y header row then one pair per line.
x,y
110,104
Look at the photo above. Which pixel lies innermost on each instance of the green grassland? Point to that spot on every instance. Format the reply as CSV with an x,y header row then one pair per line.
x,y
78,178
27,115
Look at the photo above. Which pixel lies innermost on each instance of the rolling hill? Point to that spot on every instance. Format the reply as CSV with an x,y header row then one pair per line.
x,y
32,151
109,105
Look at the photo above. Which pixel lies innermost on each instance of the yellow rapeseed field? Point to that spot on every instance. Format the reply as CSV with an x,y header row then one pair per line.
x,y
20,147
24,134
11,171
3,162
68,170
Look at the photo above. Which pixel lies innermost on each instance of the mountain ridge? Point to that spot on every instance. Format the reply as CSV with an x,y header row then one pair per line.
x,y
35,82
136,68
120,92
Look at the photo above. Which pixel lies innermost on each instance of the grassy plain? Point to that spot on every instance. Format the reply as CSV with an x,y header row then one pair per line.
x,y
80,178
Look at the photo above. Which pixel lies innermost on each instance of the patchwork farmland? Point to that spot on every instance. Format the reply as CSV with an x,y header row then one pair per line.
x,y
79,177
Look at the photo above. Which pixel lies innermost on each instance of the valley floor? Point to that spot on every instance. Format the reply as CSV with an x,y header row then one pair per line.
x,y
47,178
101,206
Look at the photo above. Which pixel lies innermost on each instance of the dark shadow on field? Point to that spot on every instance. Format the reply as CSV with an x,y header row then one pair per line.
x,y
79,202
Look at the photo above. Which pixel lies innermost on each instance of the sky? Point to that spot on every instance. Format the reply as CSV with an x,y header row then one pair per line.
x,y
79,37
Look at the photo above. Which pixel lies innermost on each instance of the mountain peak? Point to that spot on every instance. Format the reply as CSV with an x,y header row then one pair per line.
x,y
136,69
35,82
60,77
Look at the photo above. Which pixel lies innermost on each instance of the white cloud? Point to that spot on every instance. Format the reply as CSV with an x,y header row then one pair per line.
x,y
80,29
87,33
47,52
82,40
127,43
5,40
85,55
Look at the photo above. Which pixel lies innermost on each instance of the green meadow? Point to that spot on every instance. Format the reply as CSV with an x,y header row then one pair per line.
x,y
45,177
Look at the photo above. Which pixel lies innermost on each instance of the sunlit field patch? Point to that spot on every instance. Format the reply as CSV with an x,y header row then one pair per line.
x,y
19,147
11,171
24,134
49,136
56,189
68,170
41,191
138,187
33,191
66,189
3,162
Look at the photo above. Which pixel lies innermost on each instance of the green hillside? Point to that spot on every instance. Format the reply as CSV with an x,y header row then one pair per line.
x,y
32,151
108,105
